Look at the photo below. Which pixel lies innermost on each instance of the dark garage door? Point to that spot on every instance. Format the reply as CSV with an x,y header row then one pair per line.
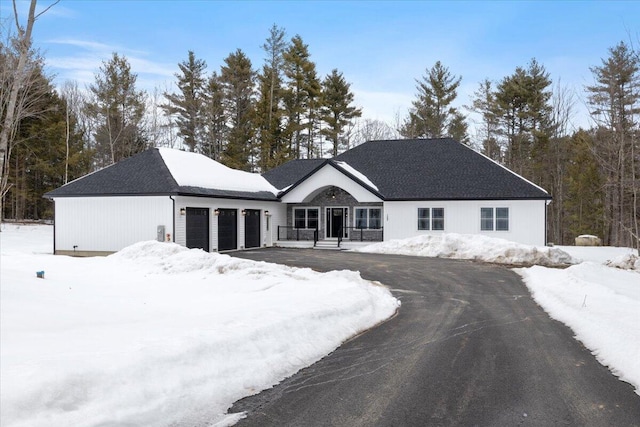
x,y
227,229
198,228
252,228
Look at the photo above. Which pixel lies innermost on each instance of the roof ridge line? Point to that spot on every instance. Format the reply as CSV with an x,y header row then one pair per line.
x,y
505,168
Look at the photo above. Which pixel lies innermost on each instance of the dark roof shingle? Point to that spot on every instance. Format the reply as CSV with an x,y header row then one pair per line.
x,y
436,169
292,172
143,174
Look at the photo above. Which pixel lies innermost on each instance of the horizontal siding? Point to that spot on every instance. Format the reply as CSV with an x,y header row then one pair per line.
x,y
526,219
276,210
109,223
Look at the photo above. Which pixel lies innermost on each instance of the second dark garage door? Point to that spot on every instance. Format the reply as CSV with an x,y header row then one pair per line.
x,y
252,228
227,229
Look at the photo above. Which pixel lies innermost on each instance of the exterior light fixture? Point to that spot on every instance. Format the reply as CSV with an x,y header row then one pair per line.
x,y
266,213
216,212
183,211
243,212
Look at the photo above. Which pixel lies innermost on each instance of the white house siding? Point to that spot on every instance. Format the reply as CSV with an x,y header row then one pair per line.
x,y
328,176
526,219
108,224
277,216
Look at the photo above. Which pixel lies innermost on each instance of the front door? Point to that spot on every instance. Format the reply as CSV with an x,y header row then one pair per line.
x,y
336,219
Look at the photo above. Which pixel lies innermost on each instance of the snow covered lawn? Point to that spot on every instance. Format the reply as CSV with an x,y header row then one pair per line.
x,y
159,334
599,302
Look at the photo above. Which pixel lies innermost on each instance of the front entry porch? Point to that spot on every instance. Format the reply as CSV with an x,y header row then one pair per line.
x,y
333,218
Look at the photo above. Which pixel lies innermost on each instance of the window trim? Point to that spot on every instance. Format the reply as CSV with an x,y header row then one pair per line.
x,y
498,219
433,223
306,217
367,217
490,220
495,221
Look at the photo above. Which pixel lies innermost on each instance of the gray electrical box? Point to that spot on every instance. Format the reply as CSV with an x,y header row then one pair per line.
x,y
160,233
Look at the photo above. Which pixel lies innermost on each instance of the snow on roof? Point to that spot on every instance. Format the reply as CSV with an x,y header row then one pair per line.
x,y
196,170
362,177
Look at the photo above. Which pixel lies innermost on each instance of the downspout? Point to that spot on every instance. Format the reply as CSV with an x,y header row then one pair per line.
x,y
54,226
173,216
546,204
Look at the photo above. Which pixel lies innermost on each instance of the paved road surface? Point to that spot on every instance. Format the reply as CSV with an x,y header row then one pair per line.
x,y
469,347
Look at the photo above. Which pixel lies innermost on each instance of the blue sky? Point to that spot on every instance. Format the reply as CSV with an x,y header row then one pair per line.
x,y
381,47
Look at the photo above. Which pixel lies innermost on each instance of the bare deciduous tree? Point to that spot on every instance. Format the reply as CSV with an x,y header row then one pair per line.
x,y
19,74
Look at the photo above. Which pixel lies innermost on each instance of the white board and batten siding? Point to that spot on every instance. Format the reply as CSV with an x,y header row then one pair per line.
x,y
277,216
108,224
526,219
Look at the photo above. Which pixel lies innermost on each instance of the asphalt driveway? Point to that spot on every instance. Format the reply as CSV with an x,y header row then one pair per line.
x,y
469,347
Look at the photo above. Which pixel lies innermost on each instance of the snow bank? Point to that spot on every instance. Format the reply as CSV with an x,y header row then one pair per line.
x,y
158,334
625,262
474,247
598,254
601,305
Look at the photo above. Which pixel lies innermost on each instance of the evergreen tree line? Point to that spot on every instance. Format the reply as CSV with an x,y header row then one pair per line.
x,y
592,174
245,119
257,120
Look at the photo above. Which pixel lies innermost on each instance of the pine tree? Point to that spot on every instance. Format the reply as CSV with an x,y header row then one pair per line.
x,y
484,103
432,115
274,47
269,108
584,200
614,101
523,111
237,78
117,109
269,118
337,110
300,96
214,118
187,103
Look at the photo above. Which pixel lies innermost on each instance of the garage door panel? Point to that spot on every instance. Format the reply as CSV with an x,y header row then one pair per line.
x,y
197,228
227,229
252,228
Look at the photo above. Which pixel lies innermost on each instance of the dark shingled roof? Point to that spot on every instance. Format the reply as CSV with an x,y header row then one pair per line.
x,y
143,174
427,169
292,172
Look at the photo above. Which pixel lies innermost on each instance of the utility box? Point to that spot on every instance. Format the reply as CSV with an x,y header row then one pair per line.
x,y
160,233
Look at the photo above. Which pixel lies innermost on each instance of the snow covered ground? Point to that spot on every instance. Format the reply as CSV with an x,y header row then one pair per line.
x,y
160,335
598,296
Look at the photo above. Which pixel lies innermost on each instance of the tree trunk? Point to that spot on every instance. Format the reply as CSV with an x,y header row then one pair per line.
x,y
10,120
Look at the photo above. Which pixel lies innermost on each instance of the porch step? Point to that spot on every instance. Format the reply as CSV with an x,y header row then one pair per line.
x,y
327,244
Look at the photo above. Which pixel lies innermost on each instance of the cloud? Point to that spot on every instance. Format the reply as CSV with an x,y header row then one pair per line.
x,y
83,58
385,106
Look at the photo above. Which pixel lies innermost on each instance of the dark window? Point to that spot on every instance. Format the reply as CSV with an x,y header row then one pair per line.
x,y
486,219
368,218
431,219
312,218
361,218
437,219
305,218
423,218
300,219
375,218
502,219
